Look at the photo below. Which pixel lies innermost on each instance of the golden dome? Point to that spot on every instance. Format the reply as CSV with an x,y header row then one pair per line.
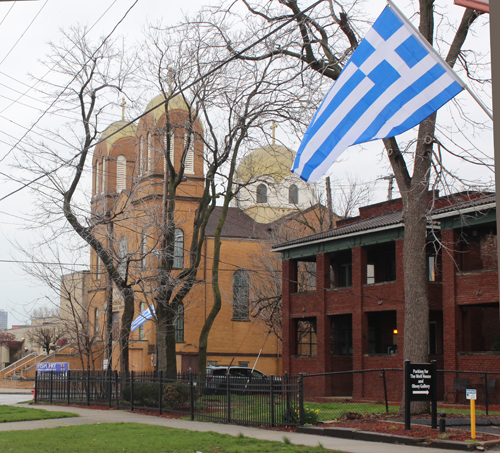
x,y
128,131
177,103
271,160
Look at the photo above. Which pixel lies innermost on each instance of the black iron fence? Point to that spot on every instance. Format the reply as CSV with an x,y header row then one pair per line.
x,y
273,401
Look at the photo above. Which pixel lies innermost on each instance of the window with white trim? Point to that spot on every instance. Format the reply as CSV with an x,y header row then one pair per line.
x,y
241,295
179,323
150,153
189,162
141,155
143,250
178,249
103,179
98,177
141,327
121,173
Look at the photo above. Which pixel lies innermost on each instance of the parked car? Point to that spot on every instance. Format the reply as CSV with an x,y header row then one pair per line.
x,y
241,380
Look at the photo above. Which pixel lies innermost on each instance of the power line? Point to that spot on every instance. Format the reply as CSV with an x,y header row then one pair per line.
x,y
24,32
174,94
57,98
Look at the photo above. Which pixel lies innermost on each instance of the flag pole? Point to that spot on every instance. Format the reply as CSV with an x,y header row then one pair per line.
x,y
430,48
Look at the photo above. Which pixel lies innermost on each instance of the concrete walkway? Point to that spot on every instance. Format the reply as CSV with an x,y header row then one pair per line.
x,y
91,416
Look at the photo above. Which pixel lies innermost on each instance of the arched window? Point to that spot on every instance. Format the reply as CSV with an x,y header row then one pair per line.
x,y
103,179
143,249
122,256
293,194
169,150
141,155
121,173
150,153
189,162
96,320
178,249
179,323
98,269
241,295
141,327
261,193
98,177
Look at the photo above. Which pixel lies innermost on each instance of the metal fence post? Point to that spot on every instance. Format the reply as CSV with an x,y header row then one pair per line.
x,y
486,392
36,386
287,396
191,394
88,387
385,392
68,381
301,398
160,396
110,387
117,392
228,397
131,391
51,385
271,402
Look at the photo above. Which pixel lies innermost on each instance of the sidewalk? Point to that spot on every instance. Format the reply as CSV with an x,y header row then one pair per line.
x,y
91,416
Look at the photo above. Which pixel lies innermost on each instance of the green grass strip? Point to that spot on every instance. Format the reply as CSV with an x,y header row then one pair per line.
x,y
21,414
138,438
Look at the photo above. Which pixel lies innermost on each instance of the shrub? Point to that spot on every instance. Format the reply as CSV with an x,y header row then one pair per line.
x,y
176,396
144,394
311,416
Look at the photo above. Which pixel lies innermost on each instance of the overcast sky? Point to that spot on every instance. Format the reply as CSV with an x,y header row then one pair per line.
x,y
25,29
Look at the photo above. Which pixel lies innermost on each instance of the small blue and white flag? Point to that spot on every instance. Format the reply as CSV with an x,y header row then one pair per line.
x,y
142,318
391,83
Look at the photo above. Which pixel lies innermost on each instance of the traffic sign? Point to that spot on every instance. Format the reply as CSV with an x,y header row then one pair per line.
x,y
471,394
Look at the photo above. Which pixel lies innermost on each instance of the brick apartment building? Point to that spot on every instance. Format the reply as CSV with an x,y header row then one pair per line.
x,y
354,317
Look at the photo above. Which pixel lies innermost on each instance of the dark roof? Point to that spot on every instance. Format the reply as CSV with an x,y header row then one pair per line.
x,y
237,225
383,220
466,204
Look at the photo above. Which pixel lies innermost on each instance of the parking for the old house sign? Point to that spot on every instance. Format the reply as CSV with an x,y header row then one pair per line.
x,y
420,382
420,385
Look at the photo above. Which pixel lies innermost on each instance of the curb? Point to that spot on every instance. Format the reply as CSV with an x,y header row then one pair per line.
x,y
356,434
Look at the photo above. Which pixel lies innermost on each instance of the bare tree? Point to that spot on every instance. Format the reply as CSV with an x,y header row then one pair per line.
x,y
321,40
90,74
46,335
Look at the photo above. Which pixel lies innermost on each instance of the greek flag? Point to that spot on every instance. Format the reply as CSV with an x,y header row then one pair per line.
x,y
392,82
142,318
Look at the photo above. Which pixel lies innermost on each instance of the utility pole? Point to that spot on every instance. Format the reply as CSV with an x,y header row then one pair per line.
x,y
389,178
329,205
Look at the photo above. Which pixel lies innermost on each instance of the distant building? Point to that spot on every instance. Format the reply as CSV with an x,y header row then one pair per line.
x,y
3,320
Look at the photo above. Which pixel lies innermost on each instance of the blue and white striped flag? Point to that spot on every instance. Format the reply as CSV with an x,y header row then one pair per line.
x,y
142,318
392,82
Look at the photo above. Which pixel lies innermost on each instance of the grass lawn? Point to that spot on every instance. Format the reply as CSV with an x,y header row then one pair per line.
x,y
20,414
137,438
336,409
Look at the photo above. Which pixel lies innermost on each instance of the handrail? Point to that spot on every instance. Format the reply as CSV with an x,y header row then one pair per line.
x,y
24,360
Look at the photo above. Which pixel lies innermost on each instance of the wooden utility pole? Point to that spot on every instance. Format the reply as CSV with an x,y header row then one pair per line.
x,y
329,202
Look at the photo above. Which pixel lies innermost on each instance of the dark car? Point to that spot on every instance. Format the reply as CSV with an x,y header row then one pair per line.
x,y
241,380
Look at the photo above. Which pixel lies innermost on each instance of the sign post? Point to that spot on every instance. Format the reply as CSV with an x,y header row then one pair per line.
x,y
420,385
471,394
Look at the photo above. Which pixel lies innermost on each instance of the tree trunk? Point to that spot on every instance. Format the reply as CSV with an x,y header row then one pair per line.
x,y
127,317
